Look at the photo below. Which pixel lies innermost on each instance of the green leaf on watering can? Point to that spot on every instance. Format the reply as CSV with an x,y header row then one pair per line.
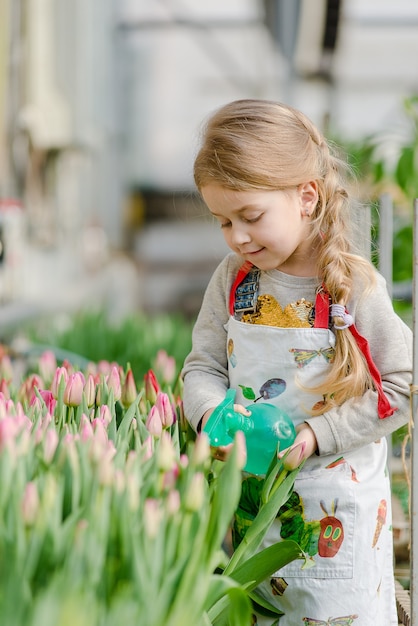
x,y
265,563
248,392
404,172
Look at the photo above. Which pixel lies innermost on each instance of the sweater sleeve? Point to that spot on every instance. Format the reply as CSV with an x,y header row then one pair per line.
x,y
205,370
356,423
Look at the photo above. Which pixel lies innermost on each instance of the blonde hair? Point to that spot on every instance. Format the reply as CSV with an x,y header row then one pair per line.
x,y
258,144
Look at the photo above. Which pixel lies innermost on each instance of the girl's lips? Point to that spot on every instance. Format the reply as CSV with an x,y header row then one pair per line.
x,y
254,252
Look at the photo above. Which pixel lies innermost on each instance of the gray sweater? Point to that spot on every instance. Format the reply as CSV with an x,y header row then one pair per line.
x,y
349,426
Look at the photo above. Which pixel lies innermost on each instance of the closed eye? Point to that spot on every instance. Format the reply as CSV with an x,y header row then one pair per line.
x,y
252,220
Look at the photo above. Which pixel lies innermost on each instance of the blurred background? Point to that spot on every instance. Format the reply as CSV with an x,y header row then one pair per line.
x,y
105,247
100,107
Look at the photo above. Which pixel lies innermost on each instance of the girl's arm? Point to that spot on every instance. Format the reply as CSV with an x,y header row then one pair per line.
x,y
356,423
205,370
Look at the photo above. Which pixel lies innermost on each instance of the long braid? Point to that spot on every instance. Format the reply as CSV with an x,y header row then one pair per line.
x,y
349,375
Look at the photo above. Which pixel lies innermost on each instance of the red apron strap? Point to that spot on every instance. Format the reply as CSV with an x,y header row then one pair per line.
x,y
245,269
321,309
383,406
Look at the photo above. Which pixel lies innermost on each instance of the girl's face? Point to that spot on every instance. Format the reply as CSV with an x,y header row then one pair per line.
x,y
268,228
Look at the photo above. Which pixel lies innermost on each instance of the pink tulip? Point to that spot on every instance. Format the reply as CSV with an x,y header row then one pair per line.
x,y
9,429
30,504
166,453
165,409
147,446
166,366
152,516
27,389
195,493
86,429
154,423
12,428
90,390
73,392
103,367
47,365
113,383
201,450
294,456
151,386
100,432
60,372
48,399
105,415
129,391
6,368
4,388
50,444
173,502
170,477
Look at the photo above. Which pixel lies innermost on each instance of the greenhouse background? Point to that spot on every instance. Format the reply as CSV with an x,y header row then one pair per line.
x,y
99,119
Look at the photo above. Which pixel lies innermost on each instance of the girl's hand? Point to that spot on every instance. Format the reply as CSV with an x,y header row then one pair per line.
x,y
302,448
221,452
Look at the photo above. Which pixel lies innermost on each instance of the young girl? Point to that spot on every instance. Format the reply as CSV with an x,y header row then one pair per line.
x,y
293,316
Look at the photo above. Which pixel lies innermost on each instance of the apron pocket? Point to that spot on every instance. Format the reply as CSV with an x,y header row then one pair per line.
x,y
320,517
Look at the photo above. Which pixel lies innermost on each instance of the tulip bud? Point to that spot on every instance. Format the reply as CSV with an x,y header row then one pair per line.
x,y
151,386
49,400
6,368
86,429
152,517
27,389
166,366
30,504
154,423
90,390
201,450
60,372
294,457
105,415
4,388
129,392
147,446
194,495
73,392
173,502
47,365
166,453
113,382
50,444
165,409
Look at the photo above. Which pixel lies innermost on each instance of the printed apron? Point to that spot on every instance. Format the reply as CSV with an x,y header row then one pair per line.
x,y
340,510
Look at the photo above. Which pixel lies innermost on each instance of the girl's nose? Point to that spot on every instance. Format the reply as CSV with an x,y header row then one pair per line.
x,y
239,236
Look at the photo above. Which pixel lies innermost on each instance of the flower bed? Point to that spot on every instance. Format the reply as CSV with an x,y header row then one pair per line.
x,y
113,512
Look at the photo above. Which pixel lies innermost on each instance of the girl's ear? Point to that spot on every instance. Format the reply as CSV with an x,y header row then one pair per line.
x,y
308,194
